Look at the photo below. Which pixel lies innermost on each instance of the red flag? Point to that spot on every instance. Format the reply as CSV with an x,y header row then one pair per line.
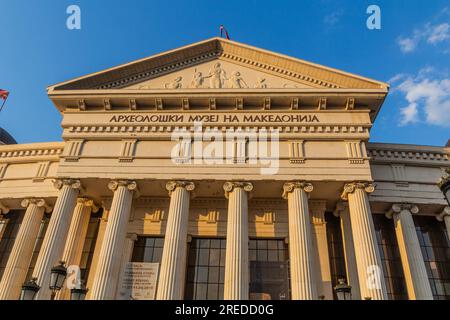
x,y
4,94
222,29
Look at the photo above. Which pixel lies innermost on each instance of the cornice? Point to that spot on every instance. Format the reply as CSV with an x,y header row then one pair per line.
x,y
391,153
31,152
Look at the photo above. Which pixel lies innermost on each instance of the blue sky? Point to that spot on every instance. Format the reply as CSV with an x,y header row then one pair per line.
x,y
412,50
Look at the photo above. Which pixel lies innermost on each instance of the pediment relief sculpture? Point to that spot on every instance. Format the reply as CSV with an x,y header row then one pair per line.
x,y
217,75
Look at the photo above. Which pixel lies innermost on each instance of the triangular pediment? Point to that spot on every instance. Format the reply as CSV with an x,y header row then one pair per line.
x,y
220,64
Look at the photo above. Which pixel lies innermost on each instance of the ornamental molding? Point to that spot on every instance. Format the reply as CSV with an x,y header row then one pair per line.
x,y
393,154
400,207
12,153
368,187
229,187
289,187
126,130
40,203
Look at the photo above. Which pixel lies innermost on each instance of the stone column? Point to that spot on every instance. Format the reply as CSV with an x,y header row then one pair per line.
x,y
76,237
173,262
370,270
416,277
303,286
445,216
22,251
320,249
56,234
349,249
236,283
110,257
127,255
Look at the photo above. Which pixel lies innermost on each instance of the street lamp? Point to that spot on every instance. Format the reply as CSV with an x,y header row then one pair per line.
x,y
29,290
78,293
57,277
444,185
343,290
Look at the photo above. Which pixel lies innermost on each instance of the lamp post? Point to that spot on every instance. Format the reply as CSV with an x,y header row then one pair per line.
x,y
78,294
57,277
444,185
343,290
29,290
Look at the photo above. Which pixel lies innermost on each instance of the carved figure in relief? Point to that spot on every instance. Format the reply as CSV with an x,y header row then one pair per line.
x,y
175,84
217,76
197,81
236,81
261,84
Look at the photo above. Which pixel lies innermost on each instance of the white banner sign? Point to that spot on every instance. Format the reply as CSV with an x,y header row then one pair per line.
x,y
139,281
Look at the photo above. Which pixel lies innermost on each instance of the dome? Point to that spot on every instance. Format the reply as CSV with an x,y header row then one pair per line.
x,y
6,138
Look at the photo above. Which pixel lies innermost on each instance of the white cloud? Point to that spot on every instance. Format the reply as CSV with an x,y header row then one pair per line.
x,y
333,18
431,33
439,33
427,97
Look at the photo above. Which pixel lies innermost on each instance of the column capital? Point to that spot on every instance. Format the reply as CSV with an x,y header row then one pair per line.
x,y
40,203
288,187
341,206
229,186
132,236
399,207
73,183
3,209
445,213
88,203
131,185
171,186
353,186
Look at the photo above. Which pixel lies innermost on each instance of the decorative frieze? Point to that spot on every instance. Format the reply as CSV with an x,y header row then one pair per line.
x,y
356,152
42,170
398,155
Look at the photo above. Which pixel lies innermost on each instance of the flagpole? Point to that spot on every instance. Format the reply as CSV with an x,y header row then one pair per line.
x,y
4,101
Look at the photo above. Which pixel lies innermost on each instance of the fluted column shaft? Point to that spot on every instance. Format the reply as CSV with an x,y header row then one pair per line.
x,y
349,250
127,255
303,286
110,257
76,237
173,262
370,271
56,235
236,285
22,251
3,221
416,278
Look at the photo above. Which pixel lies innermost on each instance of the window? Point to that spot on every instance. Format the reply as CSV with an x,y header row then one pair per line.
x,y
206,269
436,254
13,220
269,270
390,257
335,250
148,249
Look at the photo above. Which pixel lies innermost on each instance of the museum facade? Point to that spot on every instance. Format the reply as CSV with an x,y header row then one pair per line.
x,y
223,171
